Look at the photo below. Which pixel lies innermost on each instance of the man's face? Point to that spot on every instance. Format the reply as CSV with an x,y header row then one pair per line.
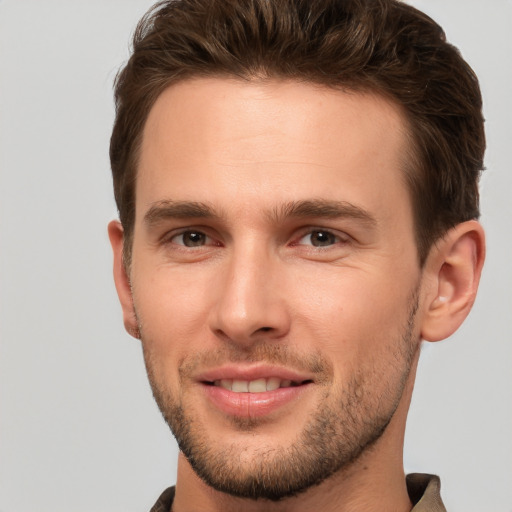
x,y
275,277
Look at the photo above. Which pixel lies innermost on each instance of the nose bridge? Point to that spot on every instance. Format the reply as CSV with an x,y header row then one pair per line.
x,y
249,303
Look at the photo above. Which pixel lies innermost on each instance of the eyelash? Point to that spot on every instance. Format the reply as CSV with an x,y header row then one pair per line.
x,y
171,239
333,238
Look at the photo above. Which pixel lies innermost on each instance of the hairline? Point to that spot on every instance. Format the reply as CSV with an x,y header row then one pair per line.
x,y
411,161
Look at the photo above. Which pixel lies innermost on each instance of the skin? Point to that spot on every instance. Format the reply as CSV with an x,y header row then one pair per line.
x,y
270,279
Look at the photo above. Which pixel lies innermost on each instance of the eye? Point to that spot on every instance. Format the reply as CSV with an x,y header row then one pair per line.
x,y
191,238
319,238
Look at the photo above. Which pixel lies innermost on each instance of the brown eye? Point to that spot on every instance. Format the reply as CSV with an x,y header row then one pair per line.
x,y
191,239
319,238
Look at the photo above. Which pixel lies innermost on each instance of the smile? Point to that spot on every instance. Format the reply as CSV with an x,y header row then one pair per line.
x,y
249,393
255,386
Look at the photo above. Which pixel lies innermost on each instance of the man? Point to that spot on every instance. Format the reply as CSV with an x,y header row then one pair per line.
x,y
297,190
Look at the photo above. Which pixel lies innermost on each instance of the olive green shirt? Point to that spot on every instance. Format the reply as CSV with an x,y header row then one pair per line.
x,y
424,491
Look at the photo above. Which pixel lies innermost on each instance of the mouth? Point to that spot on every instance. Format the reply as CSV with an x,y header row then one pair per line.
x,y
253,392
261,385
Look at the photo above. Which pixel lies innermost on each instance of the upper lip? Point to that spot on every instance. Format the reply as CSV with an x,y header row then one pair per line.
x,y
253,372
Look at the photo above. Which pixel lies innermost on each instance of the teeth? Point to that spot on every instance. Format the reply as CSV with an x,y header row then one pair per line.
x,y
258,386
226,383
240,386
273,383
254,386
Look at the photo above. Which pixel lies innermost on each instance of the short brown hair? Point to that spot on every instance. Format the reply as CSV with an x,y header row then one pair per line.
x,y
384,46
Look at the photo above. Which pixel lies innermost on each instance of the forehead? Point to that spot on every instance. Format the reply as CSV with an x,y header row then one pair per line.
x,y
268,142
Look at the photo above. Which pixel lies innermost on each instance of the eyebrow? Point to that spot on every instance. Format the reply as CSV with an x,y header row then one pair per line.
x,y
322,208
168,209
317,208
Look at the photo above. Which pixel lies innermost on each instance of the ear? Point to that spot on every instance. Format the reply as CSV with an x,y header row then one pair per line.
x,y
454,266
122,280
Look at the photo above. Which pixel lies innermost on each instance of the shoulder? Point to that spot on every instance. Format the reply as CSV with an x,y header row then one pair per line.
x,y
164,502
425,492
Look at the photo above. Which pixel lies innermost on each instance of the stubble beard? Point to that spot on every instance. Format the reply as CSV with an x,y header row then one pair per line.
x,y
339,431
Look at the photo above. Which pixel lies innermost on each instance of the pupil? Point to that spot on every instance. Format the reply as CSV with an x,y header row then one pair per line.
x,y
321,238
193,239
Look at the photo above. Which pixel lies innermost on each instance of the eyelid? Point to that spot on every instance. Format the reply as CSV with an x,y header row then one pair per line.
x,y
211,240
340,235
182,243
169,236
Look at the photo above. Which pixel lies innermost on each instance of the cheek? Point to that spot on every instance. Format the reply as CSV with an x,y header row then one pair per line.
x,y
172,311
351,313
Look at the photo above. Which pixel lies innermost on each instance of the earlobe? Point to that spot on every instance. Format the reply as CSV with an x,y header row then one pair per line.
x,y
122,280
455,264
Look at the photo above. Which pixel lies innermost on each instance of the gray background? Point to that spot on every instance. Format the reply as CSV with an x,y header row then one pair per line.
x,y
78,427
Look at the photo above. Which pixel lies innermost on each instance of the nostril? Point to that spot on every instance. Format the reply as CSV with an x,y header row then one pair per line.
x,y
265,329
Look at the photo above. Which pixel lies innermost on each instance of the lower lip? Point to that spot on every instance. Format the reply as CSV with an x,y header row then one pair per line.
x,y
252,405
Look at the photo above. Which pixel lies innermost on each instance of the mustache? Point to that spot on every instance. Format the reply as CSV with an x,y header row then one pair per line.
x,y
271,354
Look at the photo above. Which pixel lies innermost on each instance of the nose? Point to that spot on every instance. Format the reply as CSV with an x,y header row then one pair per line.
x,y
251,303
